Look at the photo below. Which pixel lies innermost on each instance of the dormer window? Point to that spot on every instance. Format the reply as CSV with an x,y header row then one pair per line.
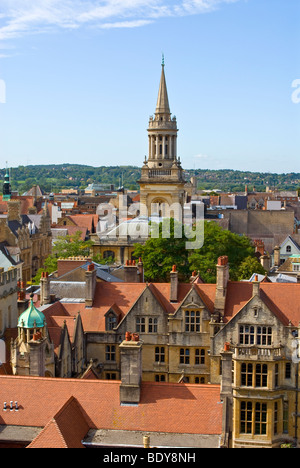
x,y
111,321
288,249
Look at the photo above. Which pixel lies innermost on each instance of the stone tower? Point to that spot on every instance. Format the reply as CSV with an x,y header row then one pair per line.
x,y
6,187
32,353
162,182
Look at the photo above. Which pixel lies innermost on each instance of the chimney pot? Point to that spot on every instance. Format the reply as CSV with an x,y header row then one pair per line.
x,y
256,286
227,347
127,336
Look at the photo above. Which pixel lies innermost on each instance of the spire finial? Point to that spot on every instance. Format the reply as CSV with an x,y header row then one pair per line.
x,y
163,60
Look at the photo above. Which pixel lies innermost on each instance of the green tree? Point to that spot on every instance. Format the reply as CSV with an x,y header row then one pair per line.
x,y
217,243
64,247
160,254
249,266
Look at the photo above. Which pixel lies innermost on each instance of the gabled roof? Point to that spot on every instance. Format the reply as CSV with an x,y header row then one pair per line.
x,y
283,300
65,430
290,239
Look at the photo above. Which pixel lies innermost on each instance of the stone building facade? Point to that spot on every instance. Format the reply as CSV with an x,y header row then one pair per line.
x,y
31,234
240,335
8,299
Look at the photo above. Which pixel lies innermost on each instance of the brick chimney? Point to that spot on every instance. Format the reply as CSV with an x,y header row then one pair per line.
x,y
131,272
22,301
90,285
174,284
259,246
131,369
65,265
45,289
222,281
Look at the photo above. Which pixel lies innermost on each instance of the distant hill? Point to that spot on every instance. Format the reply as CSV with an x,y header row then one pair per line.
x,y
52,178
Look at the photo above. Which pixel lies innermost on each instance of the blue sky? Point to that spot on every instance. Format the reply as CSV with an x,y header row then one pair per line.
x,y
82,79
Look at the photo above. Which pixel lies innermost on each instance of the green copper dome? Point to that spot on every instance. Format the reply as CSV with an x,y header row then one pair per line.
x,y
32,318
6,177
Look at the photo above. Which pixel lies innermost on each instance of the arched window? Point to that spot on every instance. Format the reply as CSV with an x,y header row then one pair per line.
x,y
288,249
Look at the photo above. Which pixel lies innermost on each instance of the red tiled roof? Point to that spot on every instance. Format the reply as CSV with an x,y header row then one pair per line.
x,y
164,407
121,297
85,221
238,294
65,430
283,299
118,296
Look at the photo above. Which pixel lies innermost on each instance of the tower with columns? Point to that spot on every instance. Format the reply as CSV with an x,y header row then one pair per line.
x,y
162,183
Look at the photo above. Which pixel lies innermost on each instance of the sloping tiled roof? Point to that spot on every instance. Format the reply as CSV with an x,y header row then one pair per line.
x,y
283,299
65,430
107,296
85,221
122,297
164,407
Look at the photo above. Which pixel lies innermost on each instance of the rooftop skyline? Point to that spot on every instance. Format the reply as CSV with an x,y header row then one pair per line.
x,y
80,79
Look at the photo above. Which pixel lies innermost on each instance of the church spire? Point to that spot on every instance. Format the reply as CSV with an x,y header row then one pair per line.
x,y
162,106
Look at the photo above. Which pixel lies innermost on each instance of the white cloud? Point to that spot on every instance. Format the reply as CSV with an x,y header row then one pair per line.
x,y
20,17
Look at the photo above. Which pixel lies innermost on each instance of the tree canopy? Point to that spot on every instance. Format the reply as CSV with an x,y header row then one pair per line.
x,y
160,254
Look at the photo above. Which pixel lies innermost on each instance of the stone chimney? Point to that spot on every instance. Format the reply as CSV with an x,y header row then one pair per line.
x,y
277,256
222,281
90,285
45,289
14,210
174,284
131,272
265,261
131,369
227,395
256,284
141,271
